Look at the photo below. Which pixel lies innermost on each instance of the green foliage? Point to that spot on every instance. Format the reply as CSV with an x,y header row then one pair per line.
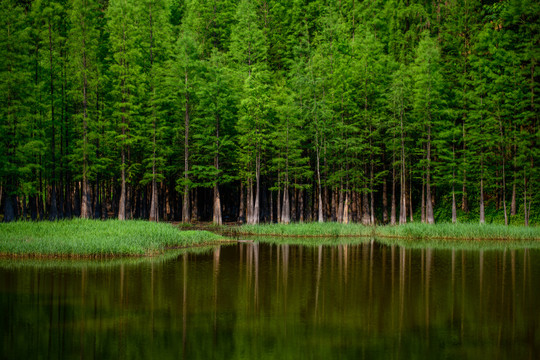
x,y
339,97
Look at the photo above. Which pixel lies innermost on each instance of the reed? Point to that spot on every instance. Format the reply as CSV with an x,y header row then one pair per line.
x,y
407,231
93,238
308,241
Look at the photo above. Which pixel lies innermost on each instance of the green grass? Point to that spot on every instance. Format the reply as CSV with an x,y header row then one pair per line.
x,y
308,241
92,238
306,229
408,231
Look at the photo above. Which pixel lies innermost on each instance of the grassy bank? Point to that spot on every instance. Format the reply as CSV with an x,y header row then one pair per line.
x,y
407,231
93,238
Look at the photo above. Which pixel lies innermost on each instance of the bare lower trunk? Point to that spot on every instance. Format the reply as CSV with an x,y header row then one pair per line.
x,y
385,201
504,196
393,206
345,219
185,206
482,211
454,208
285,210
423,204
301,205
340,206
122,203
256,209
372,210
430,219
320,216
217,206
513,204
271,207
525,212
365,209
403,200
278,212
249,202
241,211
154,213
195,205
409,198
86,203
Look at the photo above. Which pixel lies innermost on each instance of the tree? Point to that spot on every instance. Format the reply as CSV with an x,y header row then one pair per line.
x,y
14,86
82,42
427,100
213,130
248,52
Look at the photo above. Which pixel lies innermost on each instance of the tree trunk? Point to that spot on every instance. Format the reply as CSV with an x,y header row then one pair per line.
x,y
53,213
249,202
154,213
301,205
217,218
285,210
256,210
409,200
185,207
429,205
423,202
393,206
278,210
372,208
464,202
217,207
320,216
503,178
365,209
122,202
86,201
482,211
385,201
403,180
340,206
294,205
525,212
345,217
271,207
241,210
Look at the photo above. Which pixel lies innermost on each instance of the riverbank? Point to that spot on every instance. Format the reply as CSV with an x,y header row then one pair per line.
x,y
442,231
79,238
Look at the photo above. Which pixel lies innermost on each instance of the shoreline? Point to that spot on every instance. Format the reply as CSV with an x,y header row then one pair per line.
x,y
96,239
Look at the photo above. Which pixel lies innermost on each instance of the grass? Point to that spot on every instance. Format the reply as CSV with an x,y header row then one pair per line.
x,y
92,238
306,229
407,231
309,241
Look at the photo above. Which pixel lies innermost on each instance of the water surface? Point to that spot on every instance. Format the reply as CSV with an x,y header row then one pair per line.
x,y
260,301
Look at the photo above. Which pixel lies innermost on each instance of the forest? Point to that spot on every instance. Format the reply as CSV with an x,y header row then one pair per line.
x,y
376,112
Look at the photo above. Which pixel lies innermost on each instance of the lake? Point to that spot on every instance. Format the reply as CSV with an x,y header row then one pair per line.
x,y
262,301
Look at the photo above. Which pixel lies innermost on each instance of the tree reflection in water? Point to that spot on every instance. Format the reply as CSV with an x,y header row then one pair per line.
x,y
255,300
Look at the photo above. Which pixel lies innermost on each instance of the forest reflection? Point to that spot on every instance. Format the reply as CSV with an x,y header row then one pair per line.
x,y
257,300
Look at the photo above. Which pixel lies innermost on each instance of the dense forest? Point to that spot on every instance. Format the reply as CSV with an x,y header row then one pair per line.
x,y
269,111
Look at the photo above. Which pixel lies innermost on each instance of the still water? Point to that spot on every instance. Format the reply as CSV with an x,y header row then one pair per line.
x,y
260,301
